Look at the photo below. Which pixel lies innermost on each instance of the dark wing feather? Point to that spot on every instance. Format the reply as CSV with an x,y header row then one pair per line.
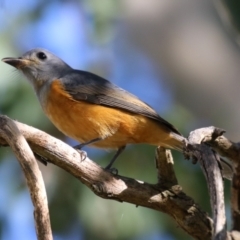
x,y
85,86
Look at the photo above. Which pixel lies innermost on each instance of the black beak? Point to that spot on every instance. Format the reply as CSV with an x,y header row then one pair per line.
x,y
15,62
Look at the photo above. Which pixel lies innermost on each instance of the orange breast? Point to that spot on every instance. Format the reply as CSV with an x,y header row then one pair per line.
x,y
84,121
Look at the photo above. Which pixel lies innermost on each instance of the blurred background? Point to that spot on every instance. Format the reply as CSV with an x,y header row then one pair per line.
x,y
181,57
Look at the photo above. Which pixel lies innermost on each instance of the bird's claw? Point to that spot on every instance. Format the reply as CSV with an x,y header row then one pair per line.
x,y
114,171
82,154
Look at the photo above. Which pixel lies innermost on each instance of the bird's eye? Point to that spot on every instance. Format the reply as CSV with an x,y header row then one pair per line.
x,y
41,55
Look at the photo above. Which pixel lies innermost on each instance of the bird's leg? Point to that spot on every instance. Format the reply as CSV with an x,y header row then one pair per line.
x,y
119,151
80,146
108,167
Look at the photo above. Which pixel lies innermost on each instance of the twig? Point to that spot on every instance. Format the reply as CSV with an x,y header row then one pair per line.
x,y
10,132
221,144
106,185
164,164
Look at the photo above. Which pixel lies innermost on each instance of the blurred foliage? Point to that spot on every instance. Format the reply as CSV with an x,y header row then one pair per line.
x,y
104,15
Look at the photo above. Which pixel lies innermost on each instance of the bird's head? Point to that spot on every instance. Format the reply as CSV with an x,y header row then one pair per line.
x,y
39,66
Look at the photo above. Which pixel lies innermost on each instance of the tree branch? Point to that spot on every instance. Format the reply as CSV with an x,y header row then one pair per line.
x,y
164,164
209,162
231,151
33,176
171,199
226,148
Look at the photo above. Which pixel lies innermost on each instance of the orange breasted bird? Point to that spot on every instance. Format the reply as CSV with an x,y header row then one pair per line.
x,y
90,109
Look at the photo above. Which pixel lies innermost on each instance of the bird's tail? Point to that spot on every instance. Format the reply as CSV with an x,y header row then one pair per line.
x,y
176,142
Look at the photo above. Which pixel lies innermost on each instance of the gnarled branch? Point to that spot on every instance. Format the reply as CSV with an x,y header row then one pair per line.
x,y
165,196
10,132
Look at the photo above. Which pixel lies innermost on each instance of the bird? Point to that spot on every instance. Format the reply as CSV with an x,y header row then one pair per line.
x,y
91,109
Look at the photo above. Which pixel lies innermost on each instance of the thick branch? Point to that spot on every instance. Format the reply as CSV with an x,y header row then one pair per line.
x,y
209,161
169,200
10,132
230,150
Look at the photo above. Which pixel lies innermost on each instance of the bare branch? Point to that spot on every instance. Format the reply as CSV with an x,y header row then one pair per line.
x,y
209,161
164,164
235,199
24,154
171,200
221,144
230,150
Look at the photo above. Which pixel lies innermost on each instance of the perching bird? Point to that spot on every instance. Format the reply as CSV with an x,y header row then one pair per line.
x,y
92,110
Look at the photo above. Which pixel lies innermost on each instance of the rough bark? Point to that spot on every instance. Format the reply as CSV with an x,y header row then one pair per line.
x,y
164,196
11,134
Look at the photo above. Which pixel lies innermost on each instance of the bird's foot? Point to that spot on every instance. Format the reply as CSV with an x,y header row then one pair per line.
x,y
82,154
114,171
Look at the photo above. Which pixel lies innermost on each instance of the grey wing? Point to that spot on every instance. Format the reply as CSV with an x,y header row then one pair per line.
x,y
85,86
